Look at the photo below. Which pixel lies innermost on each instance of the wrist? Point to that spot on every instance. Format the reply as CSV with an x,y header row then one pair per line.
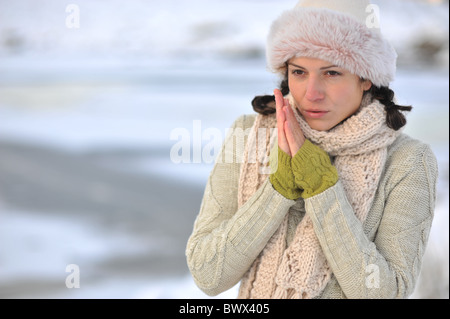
x,y
282,178
312,169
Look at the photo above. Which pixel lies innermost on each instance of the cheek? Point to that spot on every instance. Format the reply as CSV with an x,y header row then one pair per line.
x,y
297,91
349,94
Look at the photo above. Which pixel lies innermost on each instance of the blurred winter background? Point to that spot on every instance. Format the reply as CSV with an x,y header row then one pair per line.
x,y
92,96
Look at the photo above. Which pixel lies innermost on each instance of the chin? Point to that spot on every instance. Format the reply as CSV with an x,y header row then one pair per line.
x,y
320,126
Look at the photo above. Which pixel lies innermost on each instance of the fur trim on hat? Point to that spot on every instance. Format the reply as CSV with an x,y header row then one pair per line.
x,y
332,36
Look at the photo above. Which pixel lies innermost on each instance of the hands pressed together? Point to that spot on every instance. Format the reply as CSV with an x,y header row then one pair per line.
x,y
303,169
290,135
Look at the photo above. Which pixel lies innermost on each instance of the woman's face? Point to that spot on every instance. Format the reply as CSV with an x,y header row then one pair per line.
x,y
324,94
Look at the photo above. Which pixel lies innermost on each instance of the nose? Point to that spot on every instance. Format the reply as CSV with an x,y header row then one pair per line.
x,y
314,89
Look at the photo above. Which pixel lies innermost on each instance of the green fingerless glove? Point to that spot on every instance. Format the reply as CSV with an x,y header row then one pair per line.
x,y
282,177
312,169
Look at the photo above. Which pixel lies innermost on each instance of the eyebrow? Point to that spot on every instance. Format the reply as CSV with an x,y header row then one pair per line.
x,y
322,68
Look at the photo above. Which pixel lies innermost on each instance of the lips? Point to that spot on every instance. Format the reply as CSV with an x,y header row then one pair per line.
x,y
314,113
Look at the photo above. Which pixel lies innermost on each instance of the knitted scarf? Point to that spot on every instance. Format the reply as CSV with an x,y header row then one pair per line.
x,y
358,148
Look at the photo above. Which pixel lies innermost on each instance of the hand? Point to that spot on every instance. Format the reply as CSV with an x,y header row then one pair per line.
x,y
290,134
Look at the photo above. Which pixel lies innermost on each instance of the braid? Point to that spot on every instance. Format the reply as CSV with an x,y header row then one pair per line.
x,y
265,104
284,86
394,118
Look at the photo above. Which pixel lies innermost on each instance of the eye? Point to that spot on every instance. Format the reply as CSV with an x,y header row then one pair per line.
x,y
298,72
333,73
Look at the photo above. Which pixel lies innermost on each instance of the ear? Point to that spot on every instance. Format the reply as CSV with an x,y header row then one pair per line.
x,y
366,85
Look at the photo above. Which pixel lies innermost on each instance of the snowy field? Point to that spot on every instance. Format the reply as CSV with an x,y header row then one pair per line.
x,y
130,76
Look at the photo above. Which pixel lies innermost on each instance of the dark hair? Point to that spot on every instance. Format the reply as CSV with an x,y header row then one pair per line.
x,y
394,118
265,104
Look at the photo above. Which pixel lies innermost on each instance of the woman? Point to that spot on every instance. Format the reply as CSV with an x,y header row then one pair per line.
x,y
346,208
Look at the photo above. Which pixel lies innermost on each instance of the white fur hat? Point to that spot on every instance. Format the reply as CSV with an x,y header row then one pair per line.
x,y
342,32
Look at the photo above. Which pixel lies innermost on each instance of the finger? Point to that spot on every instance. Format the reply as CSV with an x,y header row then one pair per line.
x,y
293,141
279,101
282,140
281,119
293,132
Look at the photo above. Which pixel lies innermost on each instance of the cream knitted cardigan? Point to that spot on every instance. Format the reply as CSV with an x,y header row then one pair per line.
x,y
359,148
390,244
